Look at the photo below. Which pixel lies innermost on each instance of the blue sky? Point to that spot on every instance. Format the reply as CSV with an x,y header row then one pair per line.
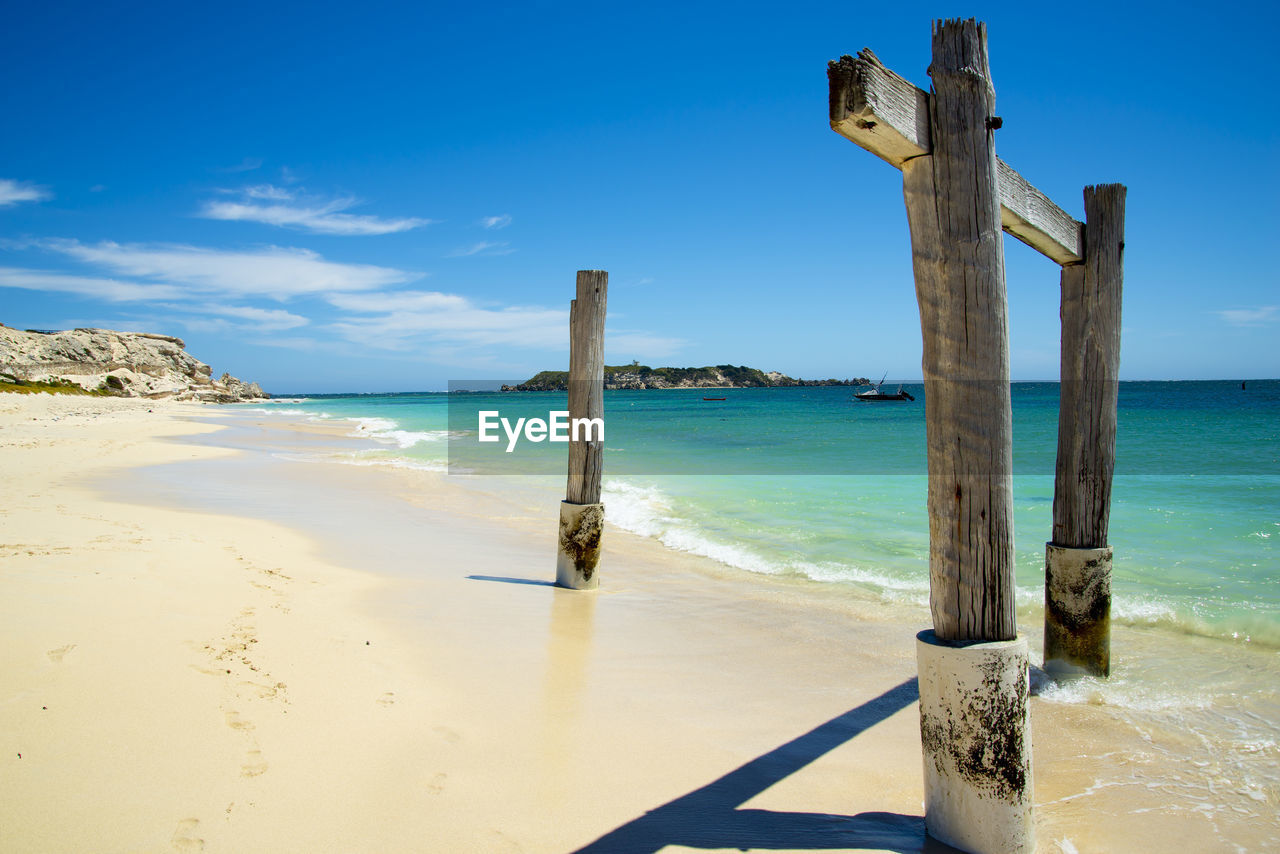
x,y
384,197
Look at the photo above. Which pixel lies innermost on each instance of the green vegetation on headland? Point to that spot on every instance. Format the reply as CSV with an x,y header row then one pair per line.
x,y
637,376
10,383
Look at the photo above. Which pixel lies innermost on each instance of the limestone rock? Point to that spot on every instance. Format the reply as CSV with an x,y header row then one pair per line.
x,y
131,364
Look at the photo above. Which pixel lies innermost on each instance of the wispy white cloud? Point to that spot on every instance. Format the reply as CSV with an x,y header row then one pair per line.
x,y
267,191
247,165
398,301
111,290
288,209
262,319
12,192
495,222
484,247
1260,316
205,315
275,272
397,320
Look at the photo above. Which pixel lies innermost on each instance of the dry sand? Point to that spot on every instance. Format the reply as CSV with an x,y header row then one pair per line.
x,y
240,654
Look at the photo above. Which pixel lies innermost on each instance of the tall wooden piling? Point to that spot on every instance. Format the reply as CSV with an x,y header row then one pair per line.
x,y
1077,632
581,513
973,667
953,208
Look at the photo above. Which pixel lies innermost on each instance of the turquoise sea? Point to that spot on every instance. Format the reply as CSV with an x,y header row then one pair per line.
x,y
807,483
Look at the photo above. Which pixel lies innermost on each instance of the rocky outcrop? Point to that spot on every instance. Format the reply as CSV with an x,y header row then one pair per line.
x,y
636,376
131,364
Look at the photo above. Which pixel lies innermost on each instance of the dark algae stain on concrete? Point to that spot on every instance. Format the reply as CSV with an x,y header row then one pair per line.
x,y
582,543
986,744
1078,615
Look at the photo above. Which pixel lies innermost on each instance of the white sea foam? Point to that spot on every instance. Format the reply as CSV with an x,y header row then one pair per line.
x,y
364,458
368,426
397,462
897,589
649,512
1125,691
642,510
261,410
1142,610
386,431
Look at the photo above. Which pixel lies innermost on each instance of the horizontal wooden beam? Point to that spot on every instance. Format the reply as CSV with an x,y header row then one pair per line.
x,y
889,116
1033,218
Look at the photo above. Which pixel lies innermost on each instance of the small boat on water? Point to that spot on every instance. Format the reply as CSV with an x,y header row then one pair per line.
x,y
874,394
714,398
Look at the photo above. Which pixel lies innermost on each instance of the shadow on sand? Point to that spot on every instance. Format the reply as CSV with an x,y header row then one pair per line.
x,y
709,818
506,579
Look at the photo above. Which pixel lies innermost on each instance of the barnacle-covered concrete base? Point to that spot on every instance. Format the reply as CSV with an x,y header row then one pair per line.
x,y
581,527
976,736
1077,611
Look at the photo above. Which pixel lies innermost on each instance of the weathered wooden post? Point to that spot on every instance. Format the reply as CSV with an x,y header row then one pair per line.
x,y
1077,591
581,513
973,665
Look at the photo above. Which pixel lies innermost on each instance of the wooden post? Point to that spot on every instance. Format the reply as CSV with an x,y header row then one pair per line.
x,y
953,208
973,692
581,513
1077,614
973,667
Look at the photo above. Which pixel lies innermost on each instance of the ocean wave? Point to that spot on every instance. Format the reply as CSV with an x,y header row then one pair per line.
x,y
1137,695
257,410
649,512
388,432
1150,611
894,588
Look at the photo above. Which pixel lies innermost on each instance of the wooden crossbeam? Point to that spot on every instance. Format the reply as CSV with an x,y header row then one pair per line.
x,y
889,116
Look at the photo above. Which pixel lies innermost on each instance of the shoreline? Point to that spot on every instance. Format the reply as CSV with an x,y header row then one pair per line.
x,y
488,710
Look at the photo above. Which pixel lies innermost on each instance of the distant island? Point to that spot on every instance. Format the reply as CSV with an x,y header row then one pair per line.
x,y
637,376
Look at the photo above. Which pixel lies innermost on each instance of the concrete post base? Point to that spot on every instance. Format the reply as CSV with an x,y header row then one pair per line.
x,y
976,735
1077,611
581,526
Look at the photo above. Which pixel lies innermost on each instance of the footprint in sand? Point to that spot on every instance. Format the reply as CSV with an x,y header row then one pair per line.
x,y
254,764
184,839
236,722
436,786
263,692
387,699
55,655
449,735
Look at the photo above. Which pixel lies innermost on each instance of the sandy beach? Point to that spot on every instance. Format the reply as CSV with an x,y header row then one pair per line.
x,y
215,642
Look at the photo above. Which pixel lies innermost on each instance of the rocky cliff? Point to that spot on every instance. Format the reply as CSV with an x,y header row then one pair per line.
x,y
643,377
131,364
